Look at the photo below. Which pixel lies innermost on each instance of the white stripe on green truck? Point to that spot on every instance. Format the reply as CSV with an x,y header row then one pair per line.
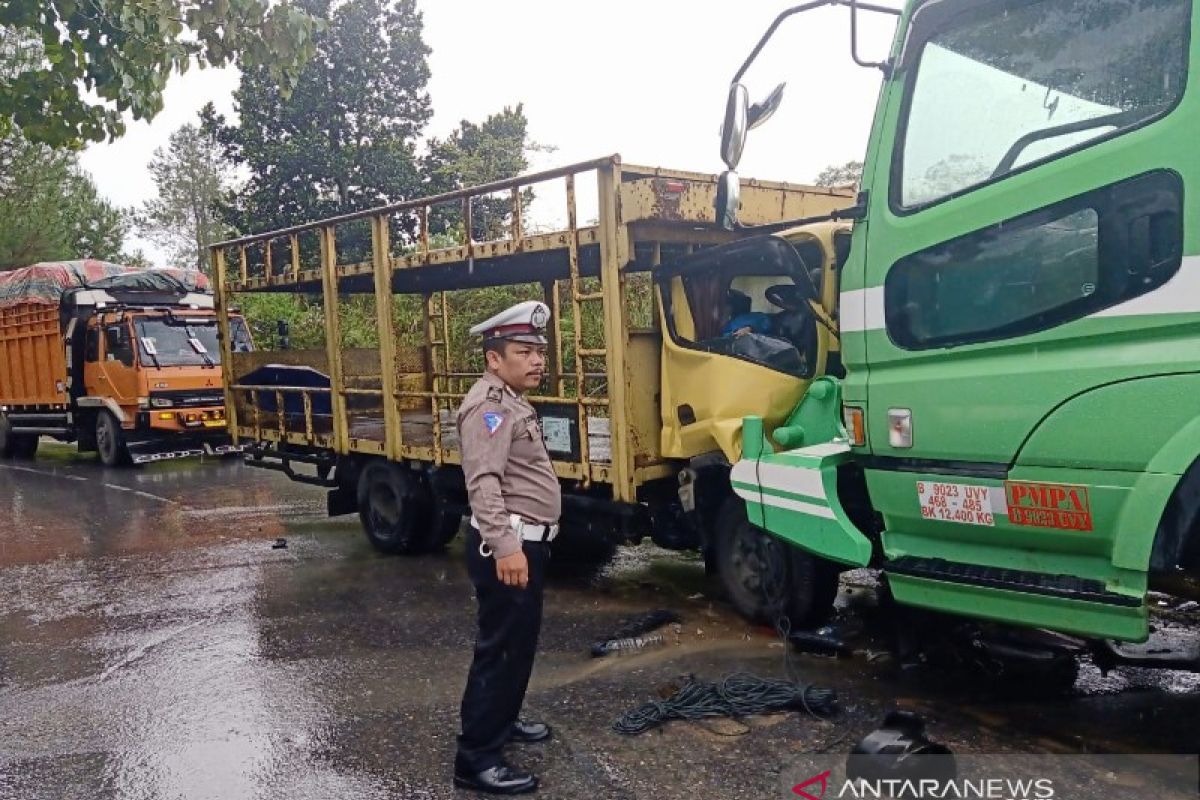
x,y
793,495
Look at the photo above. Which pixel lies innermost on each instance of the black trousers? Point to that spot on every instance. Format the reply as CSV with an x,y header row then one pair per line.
x,y
506,642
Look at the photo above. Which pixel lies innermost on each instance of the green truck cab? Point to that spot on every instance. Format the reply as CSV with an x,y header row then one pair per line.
x,y
1017,437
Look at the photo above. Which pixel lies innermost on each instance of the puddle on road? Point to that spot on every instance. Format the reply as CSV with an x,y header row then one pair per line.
x,y
152,649
71,508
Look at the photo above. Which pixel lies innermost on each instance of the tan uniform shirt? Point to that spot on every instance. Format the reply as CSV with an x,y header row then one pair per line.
x,y
505,462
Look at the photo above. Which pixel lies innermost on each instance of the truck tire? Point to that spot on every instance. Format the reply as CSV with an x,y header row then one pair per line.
x,y
445,517
25,447
811,606
395,512
16,445
110,441
444,526
762,575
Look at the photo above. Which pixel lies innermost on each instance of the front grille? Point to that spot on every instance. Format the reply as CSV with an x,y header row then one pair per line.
x,y
189,398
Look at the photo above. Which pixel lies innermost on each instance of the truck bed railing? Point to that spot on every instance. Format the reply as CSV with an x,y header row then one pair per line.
x,y
440,394
635,208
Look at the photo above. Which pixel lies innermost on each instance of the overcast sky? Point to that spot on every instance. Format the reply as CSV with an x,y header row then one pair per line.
x,y
643,78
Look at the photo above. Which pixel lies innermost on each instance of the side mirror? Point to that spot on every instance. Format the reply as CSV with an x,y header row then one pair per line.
x,y
729,199
762,111
733,130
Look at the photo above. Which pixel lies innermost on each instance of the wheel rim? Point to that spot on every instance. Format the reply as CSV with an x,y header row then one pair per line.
x,y
104,441
386,510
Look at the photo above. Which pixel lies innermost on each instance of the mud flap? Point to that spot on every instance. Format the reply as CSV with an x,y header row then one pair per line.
x,y
794,495
341,501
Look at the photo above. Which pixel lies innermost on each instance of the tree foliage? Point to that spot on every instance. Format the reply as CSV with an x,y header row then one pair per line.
x,y
470,155
848,174
191,178
345,139
51,208
475,154
94,60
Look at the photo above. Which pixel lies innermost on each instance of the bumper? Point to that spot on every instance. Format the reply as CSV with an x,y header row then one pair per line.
x,y
202,422
794,495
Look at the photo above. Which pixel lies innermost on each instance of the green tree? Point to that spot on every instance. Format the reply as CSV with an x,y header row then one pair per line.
x,y
87,62
51,208
134,258
191,178
345,139
848,174
94,227
475,154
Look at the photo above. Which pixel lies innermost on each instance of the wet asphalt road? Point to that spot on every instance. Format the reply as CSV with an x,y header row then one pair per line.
x,y
153,644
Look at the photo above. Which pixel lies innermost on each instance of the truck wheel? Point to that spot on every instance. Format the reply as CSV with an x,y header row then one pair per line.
x,y
25,447
444,525
110,441
762,574
814,587
445,518
395,513
16,445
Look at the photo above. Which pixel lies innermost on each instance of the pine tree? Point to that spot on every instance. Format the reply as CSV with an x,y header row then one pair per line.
x,y
51,208
191,178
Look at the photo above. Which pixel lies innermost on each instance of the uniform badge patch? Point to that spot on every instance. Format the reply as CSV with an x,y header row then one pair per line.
x,y
495,394
492,421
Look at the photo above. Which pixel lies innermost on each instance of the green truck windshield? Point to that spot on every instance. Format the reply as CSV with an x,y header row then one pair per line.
x,y
1010,84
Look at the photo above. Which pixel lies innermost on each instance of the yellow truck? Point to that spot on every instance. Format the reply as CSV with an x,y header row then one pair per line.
x,y
667,330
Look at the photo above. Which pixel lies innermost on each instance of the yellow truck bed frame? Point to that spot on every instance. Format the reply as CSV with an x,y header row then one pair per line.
x,y
641,211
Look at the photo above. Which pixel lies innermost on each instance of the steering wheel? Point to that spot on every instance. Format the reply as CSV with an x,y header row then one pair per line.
x,y
786,296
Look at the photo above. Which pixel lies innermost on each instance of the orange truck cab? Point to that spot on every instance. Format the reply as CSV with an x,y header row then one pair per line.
x,y
127,364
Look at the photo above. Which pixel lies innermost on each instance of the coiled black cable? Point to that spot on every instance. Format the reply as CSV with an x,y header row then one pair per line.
x,y
738,695
742,693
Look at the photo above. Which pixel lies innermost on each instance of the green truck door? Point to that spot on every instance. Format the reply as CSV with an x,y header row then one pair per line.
x,y
1026,208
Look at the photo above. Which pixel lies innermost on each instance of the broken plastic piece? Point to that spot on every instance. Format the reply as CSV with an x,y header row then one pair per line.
x,y
900,750
630,632
630,643
825,640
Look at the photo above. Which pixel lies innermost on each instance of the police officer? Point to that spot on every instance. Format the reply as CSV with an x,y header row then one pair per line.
x,y
515,503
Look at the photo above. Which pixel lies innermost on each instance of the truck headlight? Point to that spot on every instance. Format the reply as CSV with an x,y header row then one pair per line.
x,y
161,402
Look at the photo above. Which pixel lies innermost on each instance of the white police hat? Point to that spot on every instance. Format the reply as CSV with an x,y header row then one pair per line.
x,y
524,322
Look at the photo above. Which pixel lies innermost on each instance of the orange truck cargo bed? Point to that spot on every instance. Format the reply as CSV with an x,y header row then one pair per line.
x,y
33,368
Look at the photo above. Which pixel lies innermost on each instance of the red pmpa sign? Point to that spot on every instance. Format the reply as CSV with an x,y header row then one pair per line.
x,y
1048,505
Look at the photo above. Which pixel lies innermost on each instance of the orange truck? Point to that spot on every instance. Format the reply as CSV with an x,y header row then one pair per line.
x,y
125,362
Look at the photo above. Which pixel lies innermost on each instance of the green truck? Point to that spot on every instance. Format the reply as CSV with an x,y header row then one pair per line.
x,y
1017,436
